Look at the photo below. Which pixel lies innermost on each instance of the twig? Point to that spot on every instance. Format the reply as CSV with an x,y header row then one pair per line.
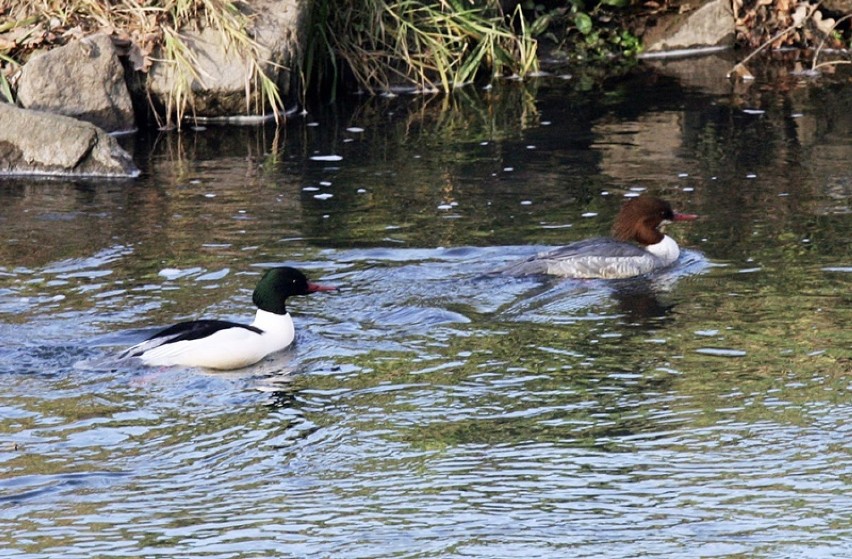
x,y
814,66
831,63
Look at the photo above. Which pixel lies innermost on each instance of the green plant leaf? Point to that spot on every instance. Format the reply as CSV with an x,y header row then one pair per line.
x,y
6,90
583,23
540,25
615,3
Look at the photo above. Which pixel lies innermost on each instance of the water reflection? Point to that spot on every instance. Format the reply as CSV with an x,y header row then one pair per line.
x,y
428,409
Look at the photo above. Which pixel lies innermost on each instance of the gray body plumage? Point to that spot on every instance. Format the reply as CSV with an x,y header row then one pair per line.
x,y
602,257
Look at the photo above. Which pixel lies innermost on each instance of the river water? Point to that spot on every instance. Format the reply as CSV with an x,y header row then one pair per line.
x,y
428,409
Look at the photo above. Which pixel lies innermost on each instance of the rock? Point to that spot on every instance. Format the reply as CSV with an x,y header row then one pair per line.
x,y
40,143
707,74
710,25
83,79
219,89
283,30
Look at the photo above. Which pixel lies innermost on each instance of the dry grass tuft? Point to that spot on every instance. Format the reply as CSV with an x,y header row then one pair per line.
x,y
421,44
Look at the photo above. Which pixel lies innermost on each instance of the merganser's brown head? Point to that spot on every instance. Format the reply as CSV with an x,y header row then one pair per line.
x,y
640,220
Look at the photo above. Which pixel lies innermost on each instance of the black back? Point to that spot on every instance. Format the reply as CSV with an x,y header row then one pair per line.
x,y
197,329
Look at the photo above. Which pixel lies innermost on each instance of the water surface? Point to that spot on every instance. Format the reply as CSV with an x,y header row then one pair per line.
x,y
429,409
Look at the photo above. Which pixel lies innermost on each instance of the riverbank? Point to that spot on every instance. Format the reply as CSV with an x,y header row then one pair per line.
x,y
202,62
200,57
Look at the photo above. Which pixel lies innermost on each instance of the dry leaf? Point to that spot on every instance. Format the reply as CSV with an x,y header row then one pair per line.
x,y
825,26
801,14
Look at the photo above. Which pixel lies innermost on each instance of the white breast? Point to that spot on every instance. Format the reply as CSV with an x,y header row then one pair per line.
x,y
666,250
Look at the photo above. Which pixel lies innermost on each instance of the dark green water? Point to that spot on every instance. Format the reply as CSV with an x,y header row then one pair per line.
x,y
427,410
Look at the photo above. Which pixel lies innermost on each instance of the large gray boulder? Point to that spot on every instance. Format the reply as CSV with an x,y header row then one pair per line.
x,y
219,88
709,24
83,79
40,143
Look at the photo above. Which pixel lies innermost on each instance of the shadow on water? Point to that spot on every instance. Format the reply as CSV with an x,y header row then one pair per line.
x,y
428,409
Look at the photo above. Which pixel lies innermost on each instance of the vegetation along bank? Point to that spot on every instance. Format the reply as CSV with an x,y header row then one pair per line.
x,y
260,58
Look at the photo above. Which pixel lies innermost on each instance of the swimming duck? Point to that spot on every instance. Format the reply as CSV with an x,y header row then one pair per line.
x,y
221,344
639,221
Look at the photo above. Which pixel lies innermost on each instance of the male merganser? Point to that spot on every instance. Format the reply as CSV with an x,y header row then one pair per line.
x,y
639,220
220,344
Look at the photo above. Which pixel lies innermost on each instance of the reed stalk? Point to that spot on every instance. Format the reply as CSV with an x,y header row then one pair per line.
x,y
418,44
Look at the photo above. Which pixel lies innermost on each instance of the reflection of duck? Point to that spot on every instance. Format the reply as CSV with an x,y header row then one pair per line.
x,y
639,220
220,344
640,304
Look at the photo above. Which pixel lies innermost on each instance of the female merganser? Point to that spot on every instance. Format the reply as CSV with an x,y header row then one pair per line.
x,y
639,220
220,344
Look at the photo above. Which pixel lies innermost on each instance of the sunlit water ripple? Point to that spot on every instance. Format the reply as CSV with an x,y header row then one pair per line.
x,y
428,408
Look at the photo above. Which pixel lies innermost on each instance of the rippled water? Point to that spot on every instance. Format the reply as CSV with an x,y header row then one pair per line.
x,y
429,409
